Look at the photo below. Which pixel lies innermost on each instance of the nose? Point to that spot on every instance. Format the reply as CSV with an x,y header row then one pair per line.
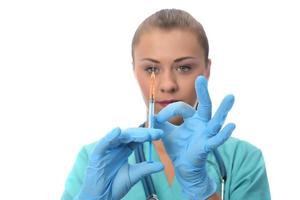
x,y
167,82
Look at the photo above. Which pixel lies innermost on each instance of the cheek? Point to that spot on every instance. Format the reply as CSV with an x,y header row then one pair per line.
x,y
189,93
144,86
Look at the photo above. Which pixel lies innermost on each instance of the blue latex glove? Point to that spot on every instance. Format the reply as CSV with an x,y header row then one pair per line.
x,y
189,143
108,175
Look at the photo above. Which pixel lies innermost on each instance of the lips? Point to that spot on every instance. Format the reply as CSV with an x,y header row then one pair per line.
x,y
166,102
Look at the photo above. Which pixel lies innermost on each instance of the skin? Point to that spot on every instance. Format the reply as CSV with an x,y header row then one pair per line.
x,y
177,59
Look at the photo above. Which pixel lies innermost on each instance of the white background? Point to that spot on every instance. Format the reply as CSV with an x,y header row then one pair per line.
x,y
66,80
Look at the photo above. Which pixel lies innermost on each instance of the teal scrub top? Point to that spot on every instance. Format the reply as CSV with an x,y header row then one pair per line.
x,y
244,163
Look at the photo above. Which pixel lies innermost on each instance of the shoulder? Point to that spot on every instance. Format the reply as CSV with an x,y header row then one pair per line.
x,y
238,143
242,159
235,147
246,170
88,149
76,175
84,155
241,156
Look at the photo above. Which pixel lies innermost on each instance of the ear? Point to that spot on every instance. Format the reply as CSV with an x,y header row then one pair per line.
x,y
207,69
133,69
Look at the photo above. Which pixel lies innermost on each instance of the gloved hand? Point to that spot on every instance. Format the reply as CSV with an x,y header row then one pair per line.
x,y
189,143
108,175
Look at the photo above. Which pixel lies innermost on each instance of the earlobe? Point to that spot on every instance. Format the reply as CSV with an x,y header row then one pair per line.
x,y
133,69
207,70
132,63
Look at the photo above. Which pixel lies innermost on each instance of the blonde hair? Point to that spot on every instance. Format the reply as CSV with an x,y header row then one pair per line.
x,y
169,19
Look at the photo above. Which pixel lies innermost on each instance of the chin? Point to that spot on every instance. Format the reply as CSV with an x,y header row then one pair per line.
x,y
176,120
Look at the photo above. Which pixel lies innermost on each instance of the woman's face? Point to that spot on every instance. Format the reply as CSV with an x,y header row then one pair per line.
x,y
176,58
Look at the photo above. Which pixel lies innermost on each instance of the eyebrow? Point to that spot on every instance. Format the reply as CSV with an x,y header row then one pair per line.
x,y
176,60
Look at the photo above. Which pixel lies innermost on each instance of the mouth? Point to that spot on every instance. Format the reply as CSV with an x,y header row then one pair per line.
x,y
164,103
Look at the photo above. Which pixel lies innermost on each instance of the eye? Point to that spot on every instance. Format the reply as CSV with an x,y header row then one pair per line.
x,y
183,68
152,69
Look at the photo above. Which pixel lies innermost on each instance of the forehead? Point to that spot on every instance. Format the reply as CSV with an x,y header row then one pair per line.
x,y
168,43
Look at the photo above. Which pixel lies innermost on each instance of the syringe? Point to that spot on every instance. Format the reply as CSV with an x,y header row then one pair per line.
x,y
151,106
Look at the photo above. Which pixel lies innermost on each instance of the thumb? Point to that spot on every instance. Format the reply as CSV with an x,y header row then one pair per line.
x,y
138,171
175,109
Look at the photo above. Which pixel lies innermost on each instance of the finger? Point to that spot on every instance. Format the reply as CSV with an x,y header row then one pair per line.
x,y
140,135
220,138
106,142
138,171
167,127
219,117
213,128
175,109
204,109
223,109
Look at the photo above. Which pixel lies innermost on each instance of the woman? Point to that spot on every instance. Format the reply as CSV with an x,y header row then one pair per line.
x,y
172,45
